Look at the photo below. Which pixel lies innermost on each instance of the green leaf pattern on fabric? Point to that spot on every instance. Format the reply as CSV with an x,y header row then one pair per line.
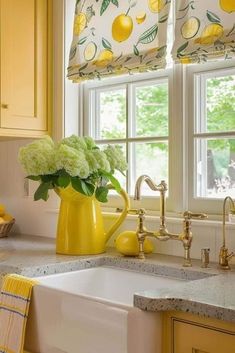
x,y
205,30
112,37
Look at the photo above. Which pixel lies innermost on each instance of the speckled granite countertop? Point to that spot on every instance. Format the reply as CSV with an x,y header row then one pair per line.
x,y
208,292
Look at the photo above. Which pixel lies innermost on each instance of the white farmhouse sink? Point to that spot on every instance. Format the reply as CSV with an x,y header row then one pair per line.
x,y
91,311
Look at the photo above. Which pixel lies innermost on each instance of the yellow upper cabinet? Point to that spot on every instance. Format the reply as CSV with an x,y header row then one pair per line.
x,y
25,30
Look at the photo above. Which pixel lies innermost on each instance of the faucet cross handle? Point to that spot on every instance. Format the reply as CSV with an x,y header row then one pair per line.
x,y
190,215
136,211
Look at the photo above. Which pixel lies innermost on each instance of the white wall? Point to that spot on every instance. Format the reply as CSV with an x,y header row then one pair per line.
x,y
31,217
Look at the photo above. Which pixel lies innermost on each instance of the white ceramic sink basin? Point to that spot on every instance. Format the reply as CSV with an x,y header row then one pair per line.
x,y
91,311
107,284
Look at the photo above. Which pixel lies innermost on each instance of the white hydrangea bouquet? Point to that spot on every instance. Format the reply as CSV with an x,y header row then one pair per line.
x,y
75,161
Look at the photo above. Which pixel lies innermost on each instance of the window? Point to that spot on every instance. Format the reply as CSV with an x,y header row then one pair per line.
x,y
212,134
213,138
133,114
176,125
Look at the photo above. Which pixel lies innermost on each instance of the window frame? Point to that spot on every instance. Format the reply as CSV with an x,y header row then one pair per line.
x,y
181,135
149,202
192,72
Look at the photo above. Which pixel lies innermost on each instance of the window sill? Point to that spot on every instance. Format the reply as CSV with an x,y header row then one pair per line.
x,y
153,216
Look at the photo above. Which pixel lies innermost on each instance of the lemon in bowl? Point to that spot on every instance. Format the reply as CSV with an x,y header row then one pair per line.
x,y
2,210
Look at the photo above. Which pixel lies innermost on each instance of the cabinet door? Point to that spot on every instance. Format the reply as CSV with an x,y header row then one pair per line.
x,y
190,338
24,59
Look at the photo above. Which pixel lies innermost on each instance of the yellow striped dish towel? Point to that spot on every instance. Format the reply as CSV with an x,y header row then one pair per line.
x,y
14,307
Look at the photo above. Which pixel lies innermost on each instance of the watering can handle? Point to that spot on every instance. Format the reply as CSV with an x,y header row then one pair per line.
x,y
122,216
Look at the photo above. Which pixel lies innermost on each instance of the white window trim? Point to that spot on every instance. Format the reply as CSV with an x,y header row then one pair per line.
x,y
174,202
181,135
199,204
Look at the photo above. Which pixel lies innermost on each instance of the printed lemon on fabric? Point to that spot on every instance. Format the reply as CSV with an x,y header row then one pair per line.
x,y
156,5
204,31
227,5
118,37
210,34
190,28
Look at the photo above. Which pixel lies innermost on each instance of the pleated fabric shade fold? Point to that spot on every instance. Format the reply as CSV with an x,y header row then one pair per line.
x,y
204,30
113,37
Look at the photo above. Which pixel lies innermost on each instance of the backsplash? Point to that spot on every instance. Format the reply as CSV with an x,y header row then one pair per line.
x,y
40,218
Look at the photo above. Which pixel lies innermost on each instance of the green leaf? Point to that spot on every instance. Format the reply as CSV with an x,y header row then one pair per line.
x,y
83,67
72,52
63,181
212,17
163,19
101,194
83,187
87,188
182,48
50,178
76,184
106,44
115,2
42,191
136,51
77,2
133,4
149,35
113,180
104,6
82,41
46,178
34,177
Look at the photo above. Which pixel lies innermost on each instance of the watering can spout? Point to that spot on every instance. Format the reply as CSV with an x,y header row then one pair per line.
x,y
122,216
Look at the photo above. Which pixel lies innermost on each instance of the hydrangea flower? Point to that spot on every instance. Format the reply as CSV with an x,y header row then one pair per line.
x,y
97,160
90,143
72,160
78,143
38,157
116,158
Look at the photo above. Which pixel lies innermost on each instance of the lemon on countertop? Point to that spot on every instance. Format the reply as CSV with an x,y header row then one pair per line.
x,y
127,244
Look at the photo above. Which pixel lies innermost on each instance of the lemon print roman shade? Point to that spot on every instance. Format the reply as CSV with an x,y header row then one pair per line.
x,y
204,29
112,37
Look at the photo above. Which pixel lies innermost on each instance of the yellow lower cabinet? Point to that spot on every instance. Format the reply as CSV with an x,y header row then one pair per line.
x,y
186,333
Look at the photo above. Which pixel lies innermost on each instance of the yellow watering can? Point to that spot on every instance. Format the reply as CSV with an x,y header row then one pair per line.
x,y
80,229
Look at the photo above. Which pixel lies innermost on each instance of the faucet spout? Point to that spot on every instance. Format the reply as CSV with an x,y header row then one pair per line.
x,y
224,255
162,188
139,183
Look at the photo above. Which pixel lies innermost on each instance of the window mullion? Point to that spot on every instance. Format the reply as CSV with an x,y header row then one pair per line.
x,y
129,146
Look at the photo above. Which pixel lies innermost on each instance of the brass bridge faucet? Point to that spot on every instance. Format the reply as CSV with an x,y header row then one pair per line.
x,y
224,255
163,234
